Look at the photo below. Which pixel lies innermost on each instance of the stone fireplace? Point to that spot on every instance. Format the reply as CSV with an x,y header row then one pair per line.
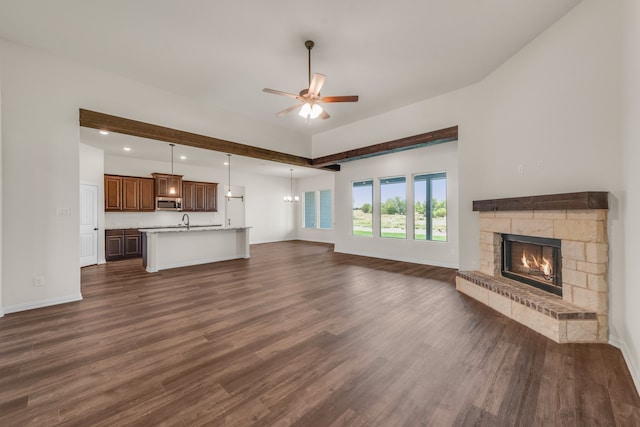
x,y
544,263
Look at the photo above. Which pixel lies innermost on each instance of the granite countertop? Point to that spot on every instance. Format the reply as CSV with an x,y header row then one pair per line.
x,y
184,228
152,227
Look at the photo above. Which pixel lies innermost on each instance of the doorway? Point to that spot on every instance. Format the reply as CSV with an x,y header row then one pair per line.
x,y
88,224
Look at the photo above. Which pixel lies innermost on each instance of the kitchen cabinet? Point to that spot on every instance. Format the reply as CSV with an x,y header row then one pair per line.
x,y
199,196
166,181
188,196
112,193
211,197
128,194
114,244
146,194
122,244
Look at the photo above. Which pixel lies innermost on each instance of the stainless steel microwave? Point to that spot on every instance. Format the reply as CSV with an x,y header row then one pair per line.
x,y
168,204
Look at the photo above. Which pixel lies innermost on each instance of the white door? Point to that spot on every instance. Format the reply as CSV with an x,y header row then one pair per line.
x,y
88,225
234,208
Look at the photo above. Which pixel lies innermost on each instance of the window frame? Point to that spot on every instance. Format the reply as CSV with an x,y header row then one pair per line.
x,y
429,177
392,180
363,183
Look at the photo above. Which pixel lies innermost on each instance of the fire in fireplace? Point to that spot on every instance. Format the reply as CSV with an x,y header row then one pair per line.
x,y
535,261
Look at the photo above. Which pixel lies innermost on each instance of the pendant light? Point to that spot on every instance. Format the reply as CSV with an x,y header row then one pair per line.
x,y
229,181
230,196
289,198
172,189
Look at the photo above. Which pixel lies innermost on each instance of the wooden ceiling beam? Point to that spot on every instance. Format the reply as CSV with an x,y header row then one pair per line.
x,y
102,121
408,143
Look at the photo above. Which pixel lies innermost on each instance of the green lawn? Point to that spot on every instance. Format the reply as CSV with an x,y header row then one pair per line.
x,y
393,226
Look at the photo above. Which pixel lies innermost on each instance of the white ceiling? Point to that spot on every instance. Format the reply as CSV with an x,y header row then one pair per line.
x,y
390,53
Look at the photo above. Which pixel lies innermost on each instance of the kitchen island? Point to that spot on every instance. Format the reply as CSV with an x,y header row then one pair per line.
x,y
172,247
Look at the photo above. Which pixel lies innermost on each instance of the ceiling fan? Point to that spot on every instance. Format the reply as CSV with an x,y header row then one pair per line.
x,y
310,98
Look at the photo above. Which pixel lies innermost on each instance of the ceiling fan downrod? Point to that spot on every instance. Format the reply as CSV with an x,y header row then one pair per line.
x,y
309,45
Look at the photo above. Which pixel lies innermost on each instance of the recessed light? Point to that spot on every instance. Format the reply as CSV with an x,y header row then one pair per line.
x,y
127,149
226,163
183,157
103,132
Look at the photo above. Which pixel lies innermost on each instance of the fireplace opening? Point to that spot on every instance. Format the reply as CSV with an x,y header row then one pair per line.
x,y
535,261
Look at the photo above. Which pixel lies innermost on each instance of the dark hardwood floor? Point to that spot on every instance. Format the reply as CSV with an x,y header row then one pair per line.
x,y
296,335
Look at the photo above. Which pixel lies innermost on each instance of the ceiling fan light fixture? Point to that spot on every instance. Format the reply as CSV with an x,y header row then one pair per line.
x,y
310,110
316,110
305,110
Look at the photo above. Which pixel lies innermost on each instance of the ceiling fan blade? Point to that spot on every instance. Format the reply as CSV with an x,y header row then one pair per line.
x,y
350,98
279,92
288,110
316,84
324,115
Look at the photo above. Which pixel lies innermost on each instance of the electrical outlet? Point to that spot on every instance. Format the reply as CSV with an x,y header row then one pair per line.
x,y
521,169
38,281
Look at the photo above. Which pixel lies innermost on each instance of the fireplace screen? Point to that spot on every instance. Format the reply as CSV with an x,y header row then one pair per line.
x,y
533,260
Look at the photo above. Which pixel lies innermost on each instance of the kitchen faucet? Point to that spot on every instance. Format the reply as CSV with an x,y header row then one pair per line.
x,y
187,222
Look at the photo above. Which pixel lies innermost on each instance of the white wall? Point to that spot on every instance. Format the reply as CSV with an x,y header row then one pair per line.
x,y
92,173
41,95
1,181
626,315
437,158
325,181
557,102
270,218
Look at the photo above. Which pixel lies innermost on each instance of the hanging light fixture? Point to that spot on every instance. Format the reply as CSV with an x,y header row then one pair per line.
x,y
229,181
230,196
290,197
172,189
310,110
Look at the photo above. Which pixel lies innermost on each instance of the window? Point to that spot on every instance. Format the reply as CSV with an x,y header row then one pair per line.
x,y
310,209
323,200
362,213
430,206
393,207
326,217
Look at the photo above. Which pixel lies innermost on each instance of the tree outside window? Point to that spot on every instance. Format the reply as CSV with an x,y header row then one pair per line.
x,y
362,210
393,207
430,206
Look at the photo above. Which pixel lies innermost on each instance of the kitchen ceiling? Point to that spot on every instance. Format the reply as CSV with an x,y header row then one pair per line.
x,y
390,53
114,144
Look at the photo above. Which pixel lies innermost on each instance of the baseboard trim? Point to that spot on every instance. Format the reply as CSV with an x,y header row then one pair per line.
x,y
628,358
42,303
401,259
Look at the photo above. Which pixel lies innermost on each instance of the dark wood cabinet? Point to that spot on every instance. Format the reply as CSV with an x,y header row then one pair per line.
x,y
130,197
188,196
199,196
114,244
211,197
132,243
112,193
164,182
128,194
122,244
146,193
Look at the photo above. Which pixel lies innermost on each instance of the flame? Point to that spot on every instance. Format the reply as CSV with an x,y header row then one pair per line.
x,y
546,267
531,263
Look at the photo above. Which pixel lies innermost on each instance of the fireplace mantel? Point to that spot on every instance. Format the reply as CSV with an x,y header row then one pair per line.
x,y
567,201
